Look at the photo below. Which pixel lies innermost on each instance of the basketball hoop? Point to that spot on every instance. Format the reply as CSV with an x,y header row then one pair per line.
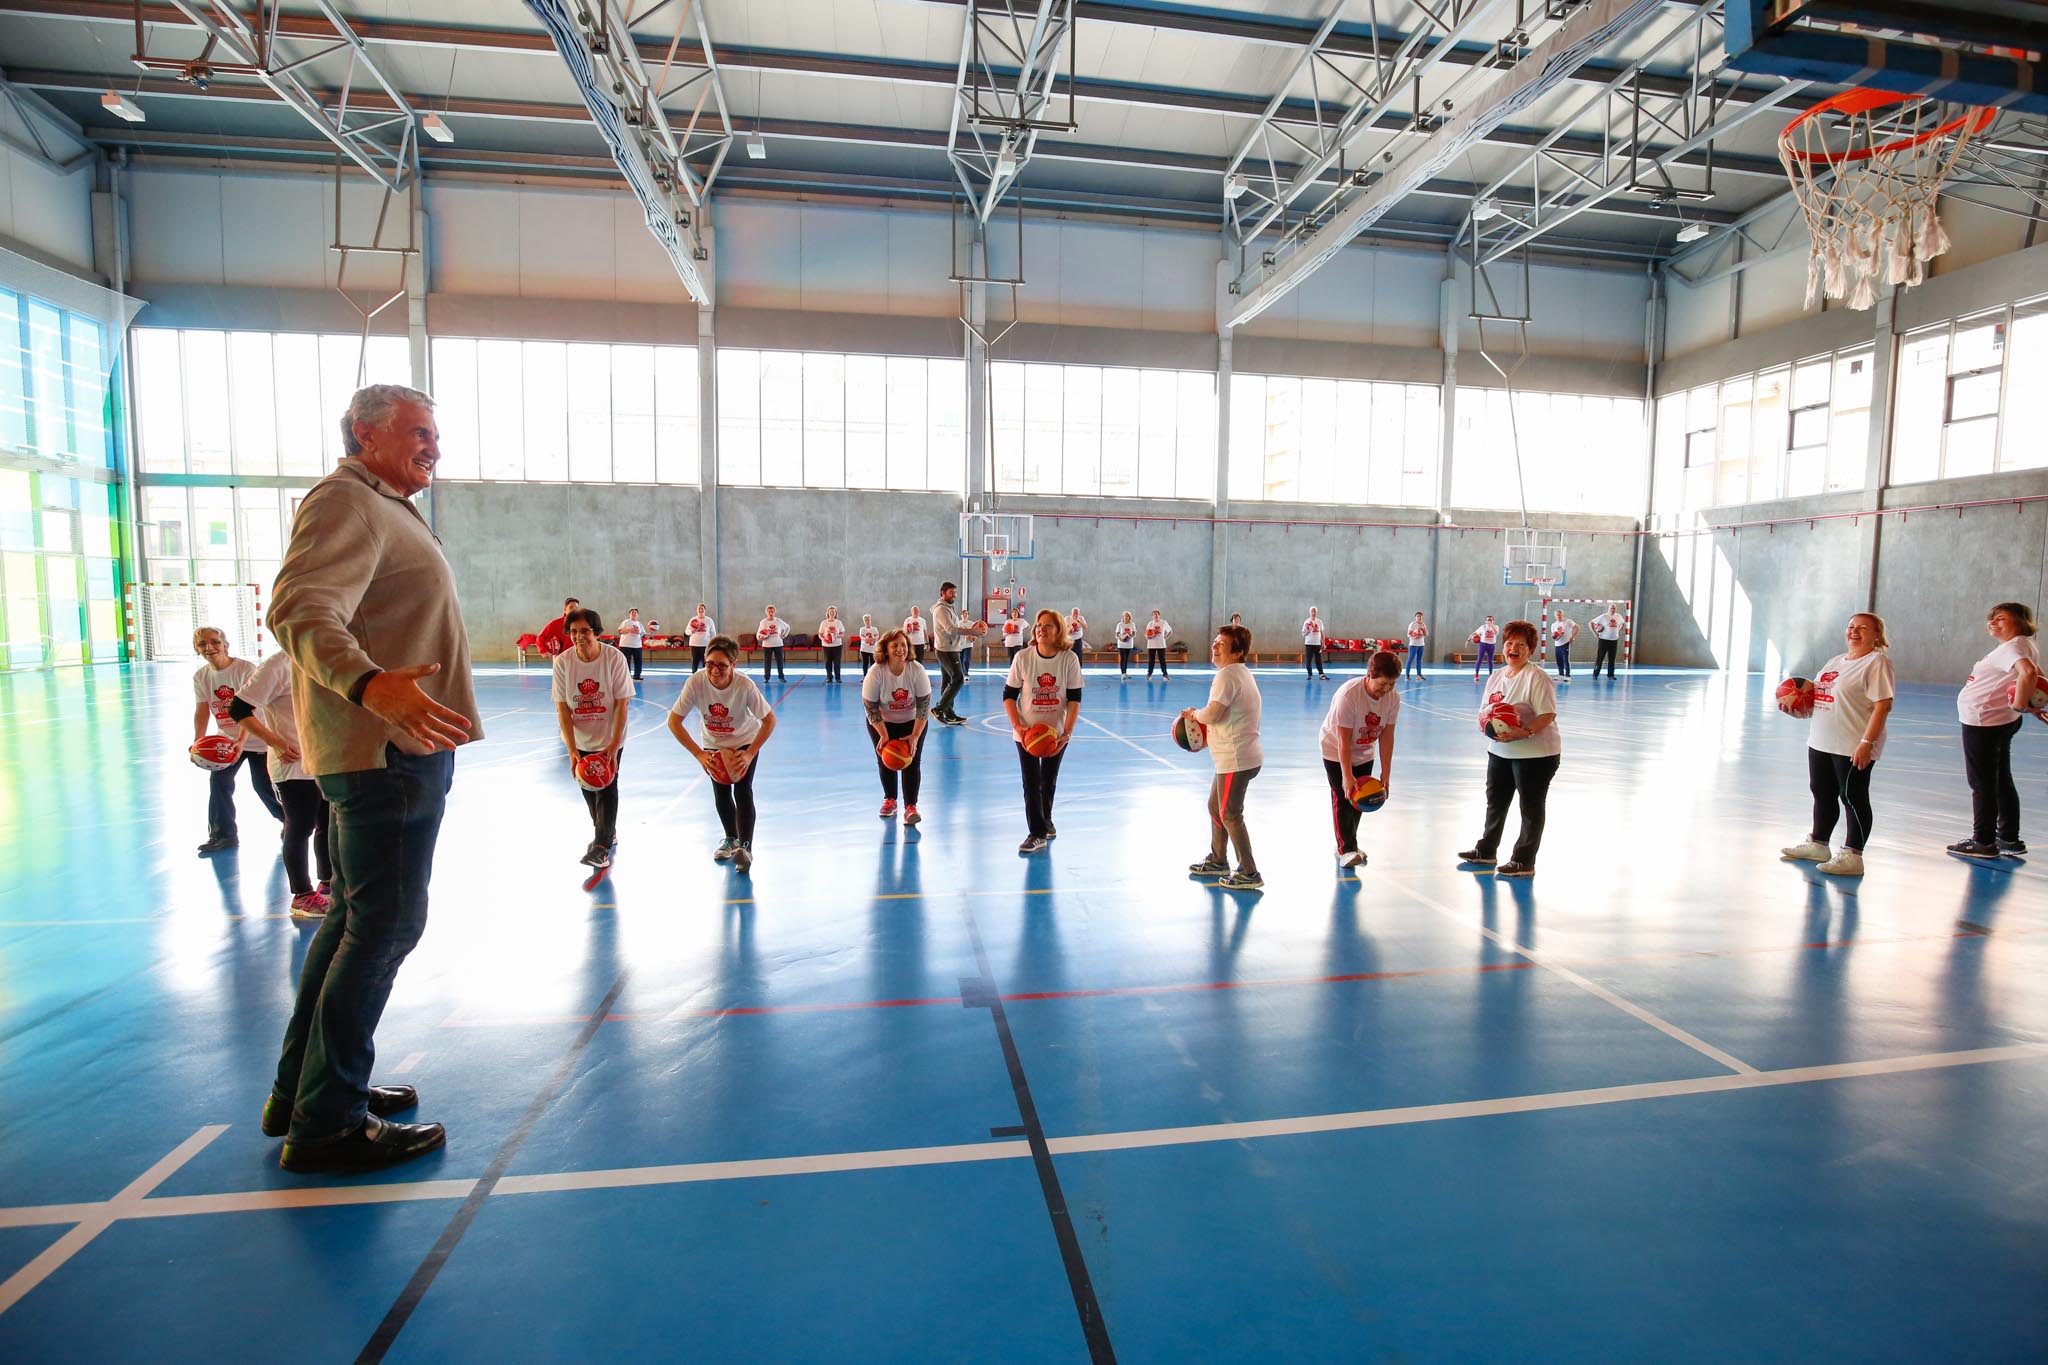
x,y
997,551
1867,183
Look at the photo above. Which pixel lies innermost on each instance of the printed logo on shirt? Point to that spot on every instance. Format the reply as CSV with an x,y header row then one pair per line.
x,y
718,719
588,687
1046,695
1496,698
222,696
899,698
1823,688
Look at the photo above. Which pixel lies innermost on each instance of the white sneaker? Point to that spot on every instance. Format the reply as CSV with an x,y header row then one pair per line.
x,y
1351,859
1843,864
1812,851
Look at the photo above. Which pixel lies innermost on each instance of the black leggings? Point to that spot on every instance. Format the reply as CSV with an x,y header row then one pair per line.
x,y
833,654
1507,778
771,663
867,661
917,652
1994,799
697,657
736,806
1607,653
633,659
1312,658
1342,813
1155,656
305,821
604,803
912,776
1041,777
1123,661
1836,783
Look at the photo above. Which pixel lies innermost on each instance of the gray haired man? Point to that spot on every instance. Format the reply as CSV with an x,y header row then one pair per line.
x,y
366,607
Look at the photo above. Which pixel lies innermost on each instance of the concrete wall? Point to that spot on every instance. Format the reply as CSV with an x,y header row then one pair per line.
x,y
47,212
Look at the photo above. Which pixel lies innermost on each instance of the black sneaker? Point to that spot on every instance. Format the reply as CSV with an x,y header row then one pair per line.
x,y
1476,858
1243,881
220,843
1515,869
1032,844
1970,848
592,855
1051,831
2012,846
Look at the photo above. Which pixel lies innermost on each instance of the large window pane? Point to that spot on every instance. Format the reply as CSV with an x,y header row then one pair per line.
x,y
589,370
678,458
867,422
1006,423
253,398
88,366
824,400
739,417
635,443
909,423
1317,481
13,375
1121,400
1247,435
2026,389
946,452
500,435
782,432
545,403
1043,401
1158,433
1922,400
455,400
159,385
306,426
1280,472
1081,431
342,363
1364,462
48,411
206,402
1195,461
213,530
1423,433
1770,434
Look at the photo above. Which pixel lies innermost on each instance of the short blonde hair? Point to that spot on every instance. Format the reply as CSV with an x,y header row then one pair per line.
x,y
204,631
1059,624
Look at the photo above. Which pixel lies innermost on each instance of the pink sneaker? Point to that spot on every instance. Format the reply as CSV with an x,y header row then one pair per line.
x,y
324,889
311,905
888,808
910,815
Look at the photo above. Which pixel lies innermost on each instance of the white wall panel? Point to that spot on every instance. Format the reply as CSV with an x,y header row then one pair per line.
x,y
843,253
1696,316
275,231
41,208
1180,281
473,253
1773,291
175,228
760,255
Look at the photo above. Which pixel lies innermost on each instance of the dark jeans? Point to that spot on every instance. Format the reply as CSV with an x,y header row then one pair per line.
x,y
1607,653
1342,813
1564,661
736,806
305,822
1507,778
1836,782
384,822
953,679
1041,778
1123,661
771,663
634,658
833,654
867,661
603,804
1155,656
220,794
1226,818
1485,659
966,661
1012,651
917,652
1994,799
1415,660
913,776
697,657
1312,659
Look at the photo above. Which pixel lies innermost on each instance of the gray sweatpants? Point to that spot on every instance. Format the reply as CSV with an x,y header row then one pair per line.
x,y
1226,818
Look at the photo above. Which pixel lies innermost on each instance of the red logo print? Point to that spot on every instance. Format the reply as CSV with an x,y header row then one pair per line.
x,y
718,711
1829,677
1372,725
588,687
224,693
1496,698
899,696
1045,680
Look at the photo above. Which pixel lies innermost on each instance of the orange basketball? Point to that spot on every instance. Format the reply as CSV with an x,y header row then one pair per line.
x,y
722,769
214,753
896,753
1041,741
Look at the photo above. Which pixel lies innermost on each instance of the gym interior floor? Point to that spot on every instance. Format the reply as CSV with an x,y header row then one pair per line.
x,y
903,1095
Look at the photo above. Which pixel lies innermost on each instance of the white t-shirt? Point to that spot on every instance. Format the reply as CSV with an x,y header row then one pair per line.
x,y
591,691
1983,700
217,687
831,632
1013,634
896,693
772,632
1563,630
913,628
631,632
1077,626
1157,633
870,639
731,718
1607,627
269,690
702,628
1312,631
1043,684
1488,633
1845,692
1533,689
1232,715
1418,633
1355,708
1126,635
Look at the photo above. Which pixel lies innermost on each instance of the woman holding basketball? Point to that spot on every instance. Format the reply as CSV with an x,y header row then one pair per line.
x,y
897,693
832,643
701,629
1998,690
1852,698
1522,756
1043,698
869,638
1126,644
263,708
1231,720
1361,719
737,722
592,689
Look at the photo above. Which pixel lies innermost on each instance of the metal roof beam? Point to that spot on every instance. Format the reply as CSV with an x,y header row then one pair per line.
x,y
999,109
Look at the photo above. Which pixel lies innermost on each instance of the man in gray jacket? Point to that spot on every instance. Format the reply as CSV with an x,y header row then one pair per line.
x,y
952,634
366,607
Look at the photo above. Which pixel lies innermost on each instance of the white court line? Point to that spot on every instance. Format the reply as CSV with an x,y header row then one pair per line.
x,y
103,1216
1132,744
632,1177
1662,1026
412,1059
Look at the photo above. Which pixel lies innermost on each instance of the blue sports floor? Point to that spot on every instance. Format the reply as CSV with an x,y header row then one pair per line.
x,y
902,1095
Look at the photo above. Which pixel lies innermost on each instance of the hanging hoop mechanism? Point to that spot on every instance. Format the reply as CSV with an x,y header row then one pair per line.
x,y
1870,203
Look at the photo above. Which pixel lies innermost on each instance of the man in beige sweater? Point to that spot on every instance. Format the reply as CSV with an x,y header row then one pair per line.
x,y
366,607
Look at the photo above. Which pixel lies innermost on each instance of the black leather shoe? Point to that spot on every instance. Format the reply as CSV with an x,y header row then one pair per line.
x,y
385,1100
220,843
379,1142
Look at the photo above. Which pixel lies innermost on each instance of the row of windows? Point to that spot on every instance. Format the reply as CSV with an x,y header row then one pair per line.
x,y
1973,396
1785,432
54,390
1332,440
59,571
1556,452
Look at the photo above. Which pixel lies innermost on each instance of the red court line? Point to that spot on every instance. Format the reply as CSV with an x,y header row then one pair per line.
x,y
1185,987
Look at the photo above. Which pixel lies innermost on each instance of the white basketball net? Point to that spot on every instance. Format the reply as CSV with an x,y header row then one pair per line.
x,y
997,548
1866,179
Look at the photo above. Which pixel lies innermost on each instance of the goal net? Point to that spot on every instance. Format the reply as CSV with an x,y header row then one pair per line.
x,y
1542,611
162,617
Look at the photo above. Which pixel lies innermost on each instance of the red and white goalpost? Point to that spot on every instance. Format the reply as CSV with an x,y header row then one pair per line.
x,y
162,617
1544,610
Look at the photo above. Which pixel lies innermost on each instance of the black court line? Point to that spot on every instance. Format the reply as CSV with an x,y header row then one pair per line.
x,y
979,993
422,1279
